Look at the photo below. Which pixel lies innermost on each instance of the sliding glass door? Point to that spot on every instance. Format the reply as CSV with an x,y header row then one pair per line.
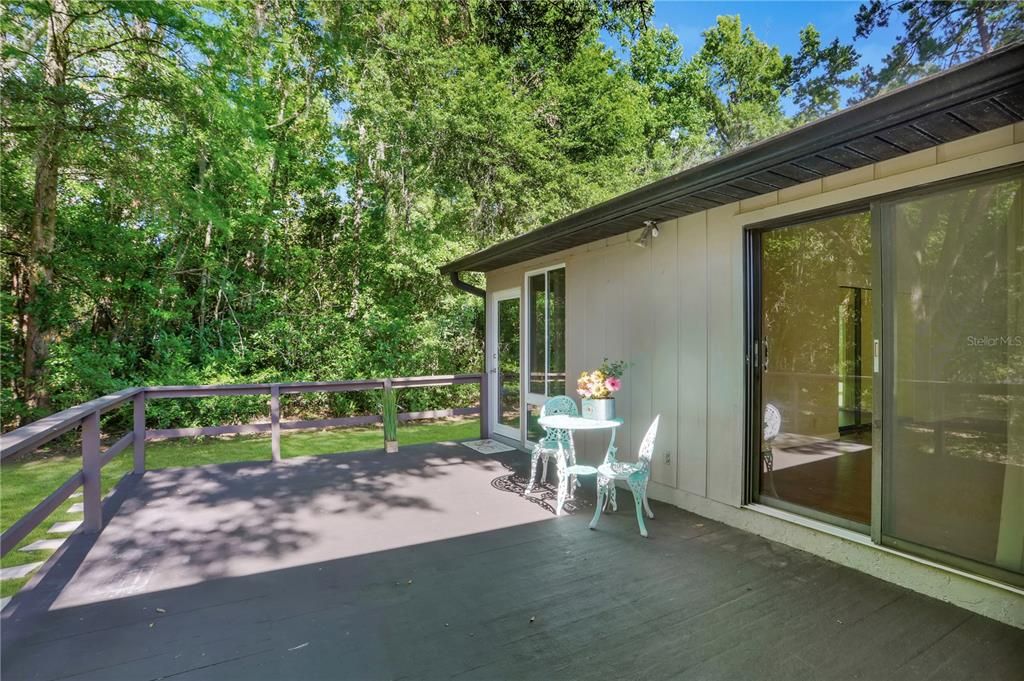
x,y
815,333
953,479
887,372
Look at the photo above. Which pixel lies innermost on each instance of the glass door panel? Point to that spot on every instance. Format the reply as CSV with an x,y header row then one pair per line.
x,y
855,359
954,473
546,354
816,360
508,417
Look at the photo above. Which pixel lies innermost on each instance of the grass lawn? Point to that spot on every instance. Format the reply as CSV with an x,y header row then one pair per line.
x,y
26,482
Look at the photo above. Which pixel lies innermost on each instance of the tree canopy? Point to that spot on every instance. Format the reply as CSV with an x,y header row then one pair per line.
x,y
236,190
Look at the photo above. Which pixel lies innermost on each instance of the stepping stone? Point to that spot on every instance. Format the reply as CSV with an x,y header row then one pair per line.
x,y
43,545
18,571
77,508
65,526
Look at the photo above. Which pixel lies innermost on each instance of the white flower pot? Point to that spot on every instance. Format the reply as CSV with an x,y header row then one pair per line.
x,y
599,410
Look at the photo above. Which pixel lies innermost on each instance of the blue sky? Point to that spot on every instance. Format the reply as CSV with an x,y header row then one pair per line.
x,y
778,23
775,22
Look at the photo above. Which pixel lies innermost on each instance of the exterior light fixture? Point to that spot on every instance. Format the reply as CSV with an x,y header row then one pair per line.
x,y
649,234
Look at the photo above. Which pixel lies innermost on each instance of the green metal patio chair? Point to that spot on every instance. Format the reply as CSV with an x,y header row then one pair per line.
x,y
554,440
637,475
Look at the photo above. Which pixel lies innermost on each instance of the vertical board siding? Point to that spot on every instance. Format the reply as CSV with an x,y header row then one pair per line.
x,y
610,309
725,357
692,354
592,333
578,279
638,342
665,292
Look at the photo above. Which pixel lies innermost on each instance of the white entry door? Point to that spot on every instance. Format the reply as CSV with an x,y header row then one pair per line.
x,y
505,362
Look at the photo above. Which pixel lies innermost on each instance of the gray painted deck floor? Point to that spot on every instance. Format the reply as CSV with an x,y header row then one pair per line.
x,y
428,564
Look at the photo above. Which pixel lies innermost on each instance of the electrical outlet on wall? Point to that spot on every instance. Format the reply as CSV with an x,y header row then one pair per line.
x,y
668,458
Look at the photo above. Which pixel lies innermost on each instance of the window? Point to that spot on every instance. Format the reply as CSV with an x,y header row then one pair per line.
x,y
546,356
886,381
816,368
954,473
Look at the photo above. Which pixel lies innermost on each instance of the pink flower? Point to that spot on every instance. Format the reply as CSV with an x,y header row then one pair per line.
x,y
613,383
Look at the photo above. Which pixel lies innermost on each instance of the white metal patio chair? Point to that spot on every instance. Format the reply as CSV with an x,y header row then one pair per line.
x,y
772,426
637,475
555,440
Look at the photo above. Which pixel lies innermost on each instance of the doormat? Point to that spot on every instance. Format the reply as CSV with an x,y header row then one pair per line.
x,y
488,446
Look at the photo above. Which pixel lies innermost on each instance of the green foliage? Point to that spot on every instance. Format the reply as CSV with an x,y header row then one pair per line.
x,y
389,407
263,191
936,34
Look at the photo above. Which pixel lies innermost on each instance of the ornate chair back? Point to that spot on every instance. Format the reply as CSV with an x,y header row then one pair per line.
x,y
561,404
647,445
772,422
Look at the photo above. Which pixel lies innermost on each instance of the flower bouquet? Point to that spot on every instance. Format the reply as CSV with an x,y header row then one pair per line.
x,y
598,387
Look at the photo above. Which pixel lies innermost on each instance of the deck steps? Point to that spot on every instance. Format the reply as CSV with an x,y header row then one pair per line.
x,y
65,527
18,571
44,545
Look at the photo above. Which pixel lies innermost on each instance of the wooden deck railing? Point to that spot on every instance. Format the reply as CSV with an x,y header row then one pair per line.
x,y
87,417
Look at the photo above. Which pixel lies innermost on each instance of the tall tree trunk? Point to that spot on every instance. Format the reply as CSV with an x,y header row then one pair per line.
x,y
44,216
203,163
983,33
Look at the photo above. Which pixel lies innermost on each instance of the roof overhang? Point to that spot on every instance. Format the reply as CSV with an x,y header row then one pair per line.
x,y
980,95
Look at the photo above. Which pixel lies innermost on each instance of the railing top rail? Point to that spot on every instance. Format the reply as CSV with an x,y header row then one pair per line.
x,y
45,429
94,457
309,386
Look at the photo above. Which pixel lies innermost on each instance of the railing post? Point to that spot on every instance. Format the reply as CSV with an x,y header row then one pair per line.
x,y
93,510
483,405
275,422
139,430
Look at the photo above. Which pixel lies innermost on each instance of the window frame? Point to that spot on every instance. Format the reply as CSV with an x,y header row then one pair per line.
x,y
531,398
879,206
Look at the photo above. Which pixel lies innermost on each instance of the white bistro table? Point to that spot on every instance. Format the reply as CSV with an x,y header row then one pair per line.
x,y
567,466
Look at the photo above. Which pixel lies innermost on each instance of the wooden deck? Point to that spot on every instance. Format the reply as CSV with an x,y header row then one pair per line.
x,y
428,564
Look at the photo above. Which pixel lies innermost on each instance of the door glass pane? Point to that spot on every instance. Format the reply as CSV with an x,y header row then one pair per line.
x,y
954,480
534,432
855,359
556,332
546,300
816,367
537,300
508,363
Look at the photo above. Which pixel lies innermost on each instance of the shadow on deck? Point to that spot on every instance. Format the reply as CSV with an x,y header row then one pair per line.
x,y
429,564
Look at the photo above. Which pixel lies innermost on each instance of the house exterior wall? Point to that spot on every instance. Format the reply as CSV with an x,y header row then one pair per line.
x,y
675,310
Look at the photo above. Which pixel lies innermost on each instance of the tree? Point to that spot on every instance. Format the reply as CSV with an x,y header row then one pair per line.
x,y
75,72
240,191
676,121
748,79
936,35
820,74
